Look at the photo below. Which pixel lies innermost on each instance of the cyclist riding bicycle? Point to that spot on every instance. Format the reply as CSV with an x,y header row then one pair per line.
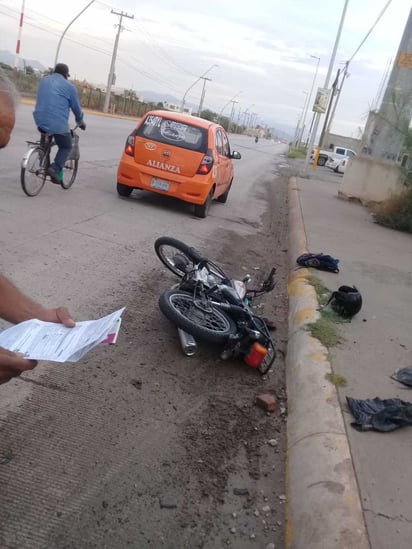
x,y
55,98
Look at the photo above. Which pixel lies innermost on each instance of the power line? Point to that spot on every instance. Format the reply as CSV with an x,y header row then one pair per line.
x,y
345,70
148,75
154,44
165,56
54,33
370,31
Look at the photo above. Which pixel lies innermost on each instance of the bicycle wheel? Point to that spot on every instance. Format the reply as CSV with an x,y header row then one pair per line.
x,y
204,321
180,258
33,171
69,173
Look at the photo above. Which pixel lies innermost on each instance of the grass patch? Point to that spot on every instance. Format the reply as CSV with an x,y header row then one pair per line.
x,y
325,328
337,380
321,290
396,212
297,153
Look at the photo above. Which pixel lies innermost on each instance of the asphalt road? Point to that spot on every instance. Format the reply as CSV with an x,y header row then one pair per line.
x,y
88,450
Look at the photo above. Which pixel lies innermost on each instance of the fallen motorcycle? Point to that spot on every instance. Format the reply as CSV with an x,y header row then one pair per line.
x,y
207,305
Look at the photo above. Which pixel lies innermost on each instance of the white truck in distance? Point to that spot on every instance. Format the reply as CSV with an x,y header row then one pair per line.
x,y
335,152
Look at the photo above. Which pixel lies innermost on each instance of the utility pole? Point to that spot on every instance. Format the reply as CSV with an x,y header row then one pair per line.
x,y
121,14
328,112
182,106
232,113
202,97
326,85
338,89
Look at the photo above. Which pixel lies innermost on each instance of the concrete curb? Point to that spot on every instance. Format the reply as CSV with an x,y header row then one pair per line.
x,y
324,508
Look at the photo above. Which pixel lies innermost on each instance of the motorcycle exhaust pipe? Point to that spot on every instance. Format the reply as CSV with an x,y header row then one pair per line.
x,y
187,342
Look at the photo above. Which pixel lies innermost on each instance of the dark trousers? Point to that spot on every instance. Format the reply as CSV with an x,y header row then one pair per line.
x,y
64,144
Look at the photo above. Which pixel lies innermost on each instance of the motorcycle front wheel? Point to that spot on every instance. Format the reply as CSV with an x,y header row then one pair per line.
x,y
202,320
269,358
267,341
175,255
180,258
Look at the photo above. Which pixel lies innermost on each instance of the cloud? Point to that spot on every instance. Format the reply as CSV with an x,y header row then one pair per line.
x,y
262,49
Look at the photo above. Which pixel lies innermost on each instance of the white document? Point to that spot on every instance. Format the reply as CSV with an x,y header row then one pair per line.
x,y
40,340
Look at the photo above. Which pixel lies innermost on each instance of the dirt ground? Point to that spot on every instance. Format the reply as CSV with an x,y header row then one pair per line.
x,y
165,450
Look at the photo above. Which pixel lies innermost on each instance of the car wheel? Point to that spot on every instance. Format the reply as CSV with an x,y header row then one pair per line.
x,y
124,190
223,197
321,161
201,210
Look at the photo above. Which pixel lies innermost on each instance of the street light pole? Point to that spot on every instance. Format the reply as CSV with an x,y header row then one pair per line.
x,y
67,28
182,106
298,127
309,98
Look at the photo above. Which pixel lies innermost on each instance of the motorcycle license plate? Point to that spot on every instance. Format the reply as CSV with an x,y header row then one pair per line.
x,y
159,184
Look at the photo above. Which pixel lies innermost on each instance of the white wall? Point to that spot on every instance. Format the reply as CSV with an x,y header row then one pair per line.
x,y
371,180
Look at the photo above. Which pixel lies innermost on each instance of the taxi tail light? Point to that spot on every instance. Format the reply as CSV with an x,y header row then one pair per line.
x,y
207,163
129,147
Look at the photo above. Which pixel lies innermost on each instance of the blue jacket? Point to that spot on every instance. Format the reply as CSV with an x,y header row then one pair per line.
x,y
55,97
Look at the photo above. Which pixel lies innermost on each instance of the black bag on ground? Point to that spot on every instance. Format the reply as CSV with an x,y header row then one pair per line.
x,y
322,262
375,414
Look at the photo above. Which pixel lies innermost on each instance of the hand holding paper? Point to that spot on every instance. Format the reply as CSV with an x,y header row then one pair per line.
x,y
38,340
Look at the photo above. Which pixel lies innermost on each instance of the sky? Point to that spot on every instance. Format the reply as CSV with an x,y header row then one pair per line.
x,y
258,53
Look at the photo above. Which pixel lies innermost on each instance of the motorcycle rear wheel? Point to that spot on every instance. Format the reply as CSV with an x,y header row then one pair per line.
x,y
207,324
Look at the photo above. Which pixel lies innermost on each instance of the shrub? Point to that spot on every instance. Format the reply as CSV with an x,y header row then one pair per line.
x,y
297,153
396,212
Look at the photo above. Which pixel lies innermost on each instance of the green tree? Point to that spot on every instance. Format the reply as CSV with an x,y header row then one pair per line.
x,y
130,94
207,114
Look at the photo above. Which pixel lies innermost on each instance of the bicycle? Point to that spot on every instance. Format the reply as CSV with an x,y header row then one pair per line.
x,y
36,162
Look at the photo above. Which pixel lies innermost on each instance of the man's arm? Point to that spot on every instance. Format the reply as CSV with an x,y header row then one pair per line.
x,y
75,105
15,307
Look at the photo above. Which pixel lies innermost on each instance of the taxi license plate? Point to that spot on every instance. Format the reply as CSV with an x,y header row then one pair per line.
x,y
159,184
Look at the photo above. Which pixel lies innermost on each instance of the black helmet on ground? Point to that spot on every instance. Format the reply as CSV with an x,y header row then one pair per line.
x,y
347,301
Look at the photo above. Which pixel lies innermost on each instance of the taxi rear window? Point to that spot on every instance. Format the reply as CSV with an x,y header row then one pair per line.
x,y
172,132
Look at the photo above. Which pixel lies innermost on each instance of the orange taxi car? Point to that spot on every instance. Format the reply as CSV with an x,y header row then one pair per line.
x,y
178,155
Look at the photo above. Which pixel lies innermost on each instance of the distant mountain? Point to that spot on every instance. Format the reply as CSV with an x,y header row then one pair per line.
x,y
156,97
8,57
